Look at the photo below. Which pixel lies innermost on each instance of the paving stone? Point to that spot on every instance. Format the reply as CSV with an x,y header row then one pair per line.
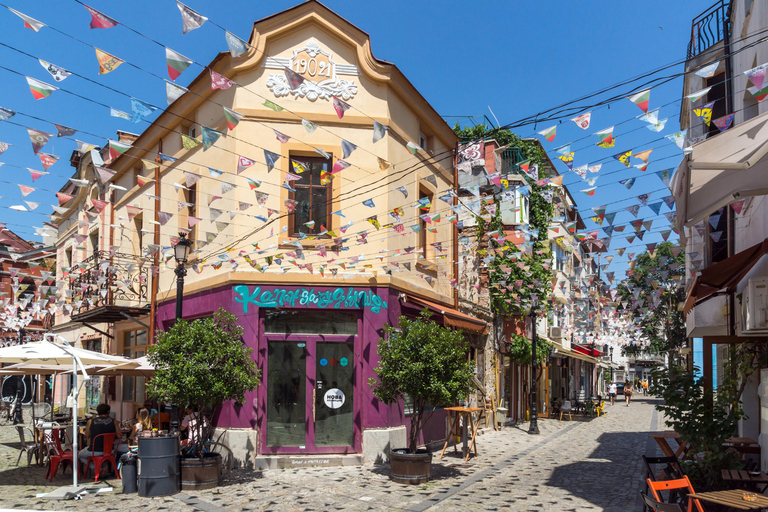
x,y
575,466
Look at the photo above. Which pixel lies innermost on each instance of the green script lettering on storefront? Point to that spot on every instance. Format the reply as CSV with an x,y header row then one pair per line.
x,y
336,298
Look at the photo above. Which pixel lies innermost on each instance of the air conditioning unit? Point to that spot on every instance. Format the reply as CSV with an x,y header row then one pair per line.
x,y
754,309
555,332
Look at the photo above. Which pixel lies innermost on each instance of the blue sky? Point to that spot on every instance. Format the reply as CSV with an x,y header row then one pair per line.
x,y
516,57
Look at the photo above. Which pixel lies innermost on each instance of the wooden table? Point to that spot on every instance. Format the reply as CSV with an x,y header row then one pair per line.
x,y
458,413
743,445
732,499
661,439
743,477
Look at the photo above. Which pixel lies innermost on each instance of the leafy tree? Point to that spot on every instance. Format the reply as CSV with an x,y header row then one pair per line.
x,y
427,362
202,363
520,351
663,325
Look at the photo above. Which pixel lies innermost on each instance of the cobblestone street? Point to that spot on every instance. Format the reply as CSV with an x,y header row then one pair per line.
x,y
571,466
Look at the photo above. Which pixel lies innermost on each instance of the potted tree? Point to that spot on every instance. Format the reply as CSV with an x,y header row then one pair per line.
x,y
201,364
428,364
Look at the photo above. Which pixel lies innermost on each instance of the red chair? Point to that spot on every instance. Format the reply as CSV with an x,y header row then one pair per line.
x,y
56,455
672,485
108,441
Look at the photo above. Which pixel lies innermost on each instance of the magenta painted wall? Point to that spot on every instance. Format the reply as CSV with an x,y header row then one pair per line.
x,y
373,414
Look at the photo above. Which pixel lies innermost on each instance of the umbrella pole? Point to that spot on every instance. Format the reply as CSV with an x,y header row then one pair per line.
x,y
75,429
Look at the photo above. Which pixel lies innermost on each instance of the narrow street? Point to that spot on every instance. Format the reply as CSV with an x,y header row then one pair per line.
x,y
572,466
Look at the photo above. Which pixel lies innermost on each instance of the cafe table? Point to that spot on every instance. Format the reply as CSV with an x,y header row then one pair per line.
x,y
662,438
455,417
732,499
757,481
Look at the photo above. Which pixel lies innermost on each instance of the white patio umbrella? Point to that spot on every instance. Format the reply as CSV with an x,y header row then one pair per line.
x,y
49,353
139,367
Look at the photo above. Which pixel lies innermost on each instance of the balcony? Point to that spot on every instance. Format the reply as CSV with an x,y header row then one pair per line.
x,y
709,28
109,287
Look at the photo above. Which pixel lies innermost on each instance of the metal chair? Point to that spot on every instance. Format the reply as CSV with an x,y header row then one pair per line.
x,y
57,455
566,408
600,406
30,448
107,455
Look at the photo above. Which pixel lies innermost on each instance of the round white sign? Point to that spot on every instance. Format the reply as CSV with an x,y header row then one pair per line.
x,y
334,398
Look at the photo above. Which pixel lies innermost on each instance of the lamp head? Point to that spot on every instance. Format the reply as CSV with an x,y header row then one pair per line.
x,y
182,249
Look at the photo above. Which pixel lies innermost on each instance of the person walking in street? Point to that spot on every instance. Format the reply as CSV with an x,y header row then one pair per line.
x,y
645,387
628,392
612,392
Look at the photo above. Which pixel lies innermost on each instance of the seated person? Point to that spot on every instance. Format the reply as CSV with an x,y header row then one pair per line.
x,y
148,406
143,423
190,425
101,424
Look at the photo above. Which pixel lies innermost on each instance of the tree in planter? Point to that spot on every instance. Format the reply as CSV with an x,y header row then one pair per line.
x,y
202,363
425,361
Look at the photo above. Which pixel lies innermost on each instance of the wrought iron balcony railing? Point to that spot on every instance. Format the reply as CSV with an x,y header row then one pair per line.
x,y
709,28
106,279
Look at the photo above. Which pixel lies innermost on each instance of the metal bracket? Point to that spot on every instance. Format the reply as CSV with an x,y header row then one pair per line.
x,y
129,317
98,331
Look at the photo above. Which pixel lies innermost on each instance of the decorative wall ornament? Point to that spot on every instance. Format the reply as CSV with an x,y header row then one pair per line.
x,y
319,71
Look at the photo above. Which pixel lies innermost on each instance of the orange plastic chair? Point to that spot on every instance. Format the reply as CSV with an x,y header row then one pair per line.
x,y
673,485
161,420
57,455
98,460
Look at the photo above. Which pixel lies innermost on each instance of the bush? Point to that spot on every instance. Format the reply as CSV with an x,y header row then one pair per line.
x,y
202,363
425,361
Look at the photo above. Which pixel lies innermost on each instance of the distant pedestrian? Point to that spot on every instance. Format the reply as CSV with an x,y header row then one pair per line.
x,y
645,387
628,392
612,392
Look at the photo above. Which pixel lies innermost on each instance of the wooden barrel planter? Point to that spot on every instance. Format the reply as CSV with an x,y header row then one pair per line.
x,y
410,468
199,474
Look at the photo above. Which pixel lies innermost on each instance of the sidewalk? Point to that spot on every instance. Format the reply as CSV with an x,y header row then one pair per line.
x,y
572,466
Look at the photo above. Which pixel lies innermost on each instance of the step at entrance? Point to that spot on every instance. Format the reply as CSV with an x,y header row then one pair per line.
x,y
307,461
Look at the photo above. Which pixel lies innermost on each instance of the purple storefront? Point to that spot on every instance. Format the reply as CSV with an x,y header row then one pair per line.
x,y
316,348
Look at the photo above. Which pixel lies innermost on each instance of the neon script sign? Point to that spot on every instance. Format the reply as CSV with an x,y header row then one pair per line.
x,y
336,298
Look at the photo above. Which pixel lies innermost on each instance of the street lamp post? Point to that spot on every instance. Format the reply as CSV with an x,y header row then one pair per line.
x,y
533,427
181,254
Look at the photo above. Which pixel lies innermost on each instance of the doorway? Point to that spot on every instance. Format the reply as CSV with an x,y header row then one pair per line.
x,y
310,383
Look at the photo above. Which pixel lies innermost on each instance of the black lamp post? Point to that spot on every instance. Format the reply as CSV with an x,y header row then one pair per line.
x,y
181,252
611,363
533,428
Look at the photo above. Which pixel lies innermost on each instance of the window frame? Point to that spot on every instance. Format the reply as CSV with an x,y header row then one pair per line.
x,y
133,347
294,231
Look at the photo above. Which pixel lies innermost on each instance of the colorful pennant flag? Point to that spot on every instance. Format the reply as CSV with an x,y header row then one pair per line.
x,y
107,62
190,19
643,155
567,159
696,96
607,140
340,106
40,89
709,70
704,112
140,110
624,157
38,138
99,20
188,142
58,73
232,117
220,82
117,148
28,21
243,163
63,131
549,134
412,147
628,182
589,191
47,160
271,158
723,123
173,91
177,63
237,46
756,75
583,120
641,99
678,138
379,130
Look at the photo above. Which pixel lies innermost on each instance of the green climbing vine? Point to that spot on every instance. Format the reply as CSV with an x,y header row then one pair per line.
x,y
514,275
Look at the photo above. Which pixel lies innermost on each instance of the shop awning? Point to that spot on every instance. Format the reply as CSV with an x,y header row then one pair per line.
x,y
564,352
587,350
724,275
722,169
451,317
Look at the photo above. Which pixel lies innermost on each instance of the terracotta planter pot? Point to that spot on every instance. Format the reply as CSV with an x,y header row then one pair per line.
x,y
410,468
197,474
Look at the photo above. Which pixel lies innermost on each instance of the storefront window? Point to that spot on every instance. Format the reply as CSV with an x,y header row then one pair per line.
x,y
310,322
